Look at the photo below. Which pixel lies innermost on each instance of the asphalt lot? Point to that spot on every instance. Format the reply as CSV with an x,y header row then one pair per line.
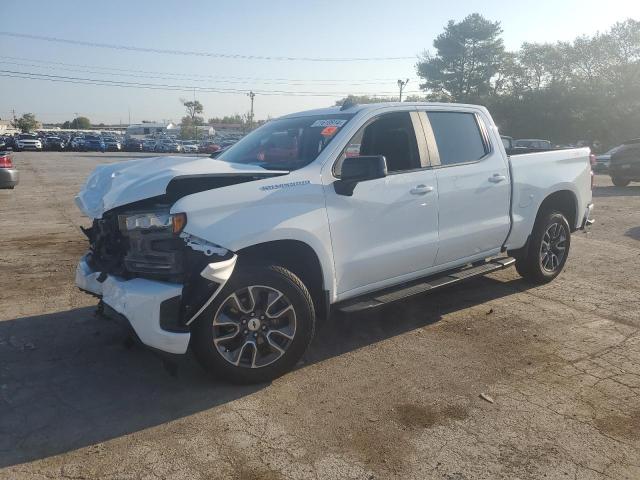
x,y
390,394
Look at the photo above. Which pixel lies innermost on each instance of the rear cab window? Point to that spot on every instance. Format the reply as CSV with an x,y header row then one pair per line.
x,y
458,137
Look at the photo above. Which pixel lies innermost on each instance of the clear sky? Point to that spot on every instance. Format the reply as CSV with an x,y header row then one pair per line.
x,y
291,28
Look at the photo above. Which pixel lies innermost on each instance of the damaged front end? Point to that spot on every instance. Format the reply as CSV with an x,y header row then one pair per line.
x,y
147,269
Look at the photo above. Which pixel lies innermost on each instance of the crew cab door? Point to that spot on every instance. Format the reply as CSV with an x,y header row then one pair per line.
x,y
388,229
473,185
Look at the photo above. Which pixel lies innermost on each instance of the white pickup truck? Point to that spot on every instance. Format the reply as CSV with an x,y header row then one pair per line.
x,y
344,208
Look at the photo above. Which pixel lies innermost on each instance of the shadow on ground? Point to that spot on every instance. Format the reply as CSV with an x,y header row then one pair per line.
x,y
71,379
633,233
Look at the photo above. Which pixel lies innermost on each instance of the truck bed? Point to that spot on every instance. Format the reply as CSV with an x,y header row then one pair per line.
x,y
535,176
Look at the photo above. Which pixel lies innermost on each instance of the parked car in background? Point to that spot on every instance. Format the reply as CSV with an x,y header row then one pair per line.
x,y
28,141
77,143
531,145
149,145
111,144
241,264
168,145
54,143
93,143
8,173
190,146
9,142
602,160
209,147
624,164
132,145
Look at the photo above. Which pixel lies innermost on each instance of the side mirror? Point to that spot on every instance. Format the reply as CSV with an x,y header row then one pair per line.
x,y
359,169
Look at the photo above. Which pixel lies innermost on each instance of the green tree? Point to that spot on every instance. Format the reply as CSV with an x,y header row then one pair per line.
x,y
26,122
468,56
194,108
78,123
364,99
81,123
190,122
586,89
227,119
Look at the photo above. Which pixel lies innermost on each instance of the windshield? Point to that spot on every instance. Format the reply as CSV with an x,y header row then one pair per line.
x,y
26,136
288,143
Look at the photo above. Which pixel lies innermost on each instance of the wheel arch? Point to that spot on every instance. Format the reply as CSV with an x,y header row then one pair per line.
x,y
299,258
564,201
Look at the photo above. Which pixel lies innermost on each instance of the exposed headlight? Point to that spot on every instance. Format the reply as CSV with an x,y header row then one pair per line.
x,y
149,220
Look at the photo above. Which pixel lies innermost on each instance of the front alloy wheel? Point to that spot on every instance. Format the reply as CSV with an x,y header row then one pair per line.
x,y
254,326
257,327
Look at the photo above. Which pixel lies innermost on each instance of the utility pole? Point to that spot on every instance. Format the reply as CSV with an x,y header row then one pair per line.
x,y
401,86
251,95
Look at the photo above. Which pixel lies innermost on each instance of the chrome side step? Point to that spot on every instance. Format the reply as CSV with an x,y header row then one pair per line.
x,y
427,284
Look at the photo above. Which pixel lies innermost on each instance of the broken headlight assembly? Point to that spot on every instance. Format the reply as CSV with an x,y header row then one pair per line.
x,y
161,220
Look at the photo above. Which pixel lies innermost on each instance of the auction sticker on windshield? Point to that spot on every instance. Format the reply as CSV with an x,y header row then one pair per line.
x,y
329,122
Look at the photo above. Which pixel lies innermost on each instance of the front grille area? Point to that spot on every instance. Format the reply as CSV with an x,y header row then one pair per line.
x,y
154,253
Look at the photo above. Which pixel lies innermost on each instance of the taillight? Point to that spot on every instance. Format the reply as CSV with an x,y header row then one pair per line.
x,y
592,159
5,161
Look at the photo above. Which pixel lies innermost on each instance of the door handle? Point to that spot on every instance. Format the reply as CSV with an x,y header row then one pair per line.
x,y
497,178
421,189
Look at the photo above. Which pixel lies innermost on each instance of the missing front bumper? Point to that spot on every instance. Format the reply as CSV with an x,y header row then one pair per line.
x,y
152,307
139,301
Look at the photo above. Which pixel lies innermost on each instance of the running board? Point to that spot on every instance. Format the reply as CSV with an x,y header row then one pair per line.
x,y
427,284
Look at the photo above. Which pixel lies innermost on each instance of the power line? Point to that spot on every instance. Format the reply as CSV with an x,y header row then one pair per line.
x,y
161,76
199,54
195,75
155,86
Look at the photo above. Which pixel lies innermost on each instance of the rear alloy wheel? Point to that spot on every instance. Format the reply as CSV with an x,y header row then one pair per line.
x,y
553,247
548,249
620,182
257,328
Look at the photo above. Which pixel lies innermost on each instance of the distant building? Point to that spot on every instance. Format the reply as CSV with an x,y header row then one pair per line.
x,y
6,128
227,127
151,128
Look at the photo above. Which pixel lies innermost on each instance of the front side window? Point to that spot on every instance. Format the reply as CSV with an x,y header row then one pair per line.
x,y
458,137
288,143
391,135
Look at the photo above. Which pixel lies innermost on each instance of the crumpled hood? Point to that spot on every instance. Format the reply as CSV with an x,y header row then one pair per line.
x,y
120,183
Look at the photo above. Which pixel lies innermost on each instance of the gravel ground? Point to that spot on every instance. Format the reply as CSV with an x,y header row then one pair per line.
x,y
390,394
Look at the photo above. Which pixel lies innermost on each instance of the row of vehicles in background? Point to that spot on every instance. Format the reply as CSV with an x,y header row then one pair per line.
x,y
115,143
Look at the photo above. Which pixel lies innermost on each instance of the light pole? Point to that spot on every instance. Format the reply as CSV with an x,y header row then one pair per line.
x,y
251,95
401,86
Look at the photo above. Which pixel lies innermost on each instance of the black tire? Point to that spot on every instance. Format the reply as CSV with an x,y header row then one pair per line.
x,y
532,264
620,182
267,277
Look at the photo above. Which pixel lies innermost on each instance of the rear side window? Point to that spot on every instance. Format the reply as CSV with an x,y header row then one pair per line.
x,y
458,137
